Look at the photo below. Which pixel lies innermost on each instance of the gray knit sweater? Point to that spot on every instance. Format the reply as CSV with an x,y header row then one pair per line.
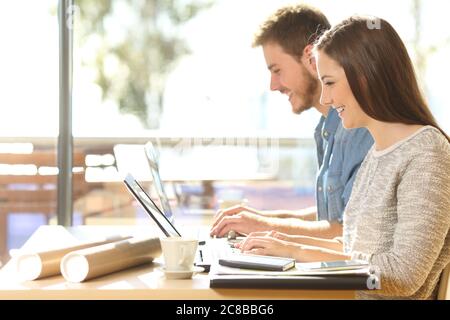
x,y
398,215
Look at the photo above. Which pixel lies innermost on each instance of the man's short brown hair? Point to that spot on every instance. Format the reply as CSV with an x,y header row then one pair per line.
x,y
293,28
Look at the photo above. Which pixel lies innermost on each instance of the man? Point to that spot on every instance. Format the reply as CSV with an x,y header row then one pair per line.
x,y
287,39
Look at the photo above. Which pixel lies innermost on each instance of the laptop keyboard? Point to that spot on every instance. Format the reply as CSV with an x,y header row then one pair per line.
x,y
213,250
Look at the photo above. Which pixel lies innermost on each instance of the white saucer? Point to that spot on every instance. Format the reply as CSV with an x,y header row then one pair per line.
x,y
181,274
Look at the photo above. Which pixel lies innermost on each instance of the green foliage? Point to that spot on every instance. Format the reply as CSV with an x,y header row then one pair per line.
x,y
132,65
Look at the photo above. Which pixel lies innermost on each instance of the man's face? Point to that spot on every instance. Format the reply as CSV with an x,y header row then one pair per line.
x,y
290,77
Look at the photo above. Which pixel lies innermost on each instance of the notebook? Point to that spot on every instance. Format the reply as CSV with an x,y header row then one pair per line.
x,y
258,262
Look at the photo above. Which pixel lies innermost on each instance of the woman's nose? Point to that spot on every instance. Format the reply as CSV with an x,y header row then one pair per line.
x,y
325,98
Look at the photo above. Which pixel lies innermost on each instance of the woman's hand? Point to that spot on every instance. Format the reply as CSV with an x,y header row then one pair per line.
x,y
271,244
273,234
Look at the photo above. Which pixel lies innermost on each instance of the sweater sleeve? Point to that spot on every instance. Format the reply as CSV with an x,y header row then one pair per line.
x,y
423,212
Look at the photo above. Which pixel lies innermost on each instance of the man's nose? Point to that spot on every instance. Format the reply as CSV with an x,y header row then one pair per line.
x,y
275,83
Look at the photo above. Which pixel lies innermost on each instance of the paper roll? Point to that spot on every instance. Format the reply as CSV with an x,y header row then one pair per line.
x,y
89,263
37,265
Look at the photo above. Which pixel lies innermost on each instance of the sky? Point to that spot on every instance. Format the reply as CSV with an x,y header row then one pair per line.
x,y
215,91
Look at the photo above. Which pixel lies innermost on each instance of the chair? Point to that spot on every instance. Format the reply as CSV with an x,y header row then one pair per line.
x,y
444,284
26,188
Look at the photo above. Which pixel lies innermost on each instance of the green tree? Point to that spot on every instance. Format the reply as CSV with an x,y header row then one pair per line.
x,y
137,45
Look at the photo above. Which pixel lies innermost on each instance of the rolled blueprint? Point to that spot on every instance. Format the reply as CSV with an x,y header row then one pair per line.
x,y
37,265
89,263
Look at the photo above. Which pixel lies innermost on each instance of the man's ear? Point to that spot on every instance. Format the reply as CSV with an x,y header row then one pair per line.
x,y
308,58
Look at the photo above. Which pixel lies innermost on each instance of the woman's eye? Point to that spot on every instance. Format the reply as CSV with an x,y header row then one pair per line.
x,y
329,83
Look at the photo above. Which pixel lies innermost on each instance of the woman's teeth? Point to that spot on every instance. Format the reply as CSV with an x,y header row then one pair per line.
x,y
340,109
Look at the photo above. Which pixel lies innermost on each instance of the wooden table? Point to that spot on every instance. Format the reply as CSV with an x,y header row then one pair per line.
x,y
142,282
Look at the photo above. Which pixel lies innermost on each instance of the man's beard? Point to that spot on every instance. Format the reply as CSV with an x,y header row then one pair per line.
x,y
307,92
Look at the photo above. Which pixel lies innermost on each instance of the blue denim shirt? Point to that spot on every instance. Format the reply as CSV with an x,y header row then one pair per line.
x,y
340,153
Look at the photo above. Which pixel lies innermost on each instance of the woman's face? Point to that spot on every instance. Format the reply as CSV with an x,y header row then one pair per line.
x,y
337,92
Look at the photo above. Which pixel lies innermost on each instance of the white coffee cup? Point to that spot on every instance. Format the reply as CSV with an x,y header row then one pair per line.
x,y
179,253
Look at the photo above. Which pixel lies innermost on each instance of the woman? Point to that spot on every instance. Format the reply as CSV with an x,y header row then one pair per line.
x,y
398,215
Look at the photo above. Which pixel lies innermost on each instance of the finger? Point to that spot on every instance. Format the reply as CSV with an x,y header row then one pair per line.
x,y
284,237
253,235
256,242
219,216
240,234
258,234
218,213
225,225
226,212
271,233
244,243
257,251
278,235
242,223
217,227
265,246
231,225
233,210
238,245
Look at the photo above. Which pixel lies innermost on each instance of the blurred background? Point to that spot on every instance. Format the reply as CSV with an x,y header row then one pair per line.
x,y
182,74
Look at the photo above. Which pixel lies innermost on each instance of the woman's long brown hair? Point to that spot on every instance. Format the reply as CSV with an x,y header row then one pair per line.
x,y
378,69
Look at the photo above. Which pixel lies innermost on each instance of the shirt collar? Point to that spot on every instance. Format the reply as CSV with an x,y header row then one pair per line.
x,y
330,124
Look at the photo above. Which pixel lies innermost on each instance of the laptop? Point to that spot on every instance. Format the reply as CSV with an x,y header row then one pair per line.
x,y
153,161
209,250
152,155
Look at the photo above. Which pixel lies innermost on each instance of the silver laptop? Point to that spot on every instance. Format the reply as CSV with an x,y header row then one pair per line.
x,y
153,161
208,251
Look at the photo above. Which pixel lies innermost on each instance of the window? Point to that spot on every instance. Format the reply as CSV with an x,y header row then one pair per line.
x,y
29,119
183,75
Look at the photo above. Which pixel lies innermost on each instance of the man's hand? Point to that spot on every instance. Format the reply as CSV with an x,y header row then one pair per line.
x,y
231,211
242,223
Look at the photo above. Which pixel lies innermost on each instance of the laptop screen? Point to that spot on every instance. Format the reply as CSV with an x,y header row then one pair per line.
x,y
154,169
150,207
